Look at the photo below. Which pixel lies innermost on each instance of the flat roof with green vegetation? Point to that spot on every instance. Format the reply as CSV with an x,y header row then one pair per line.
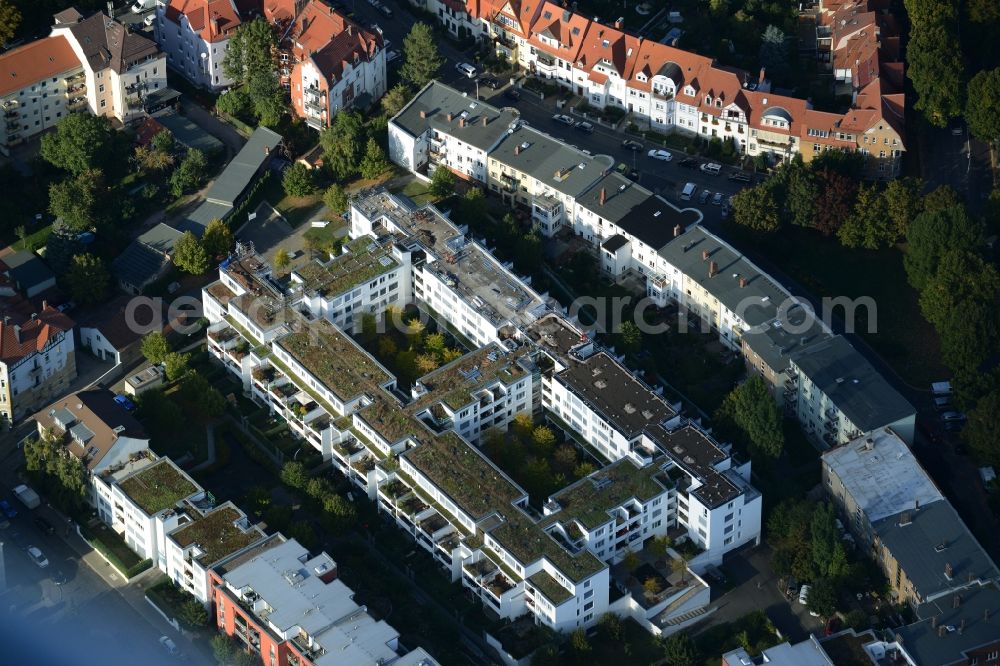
x,y
157,487
332,358
216,535
589,499
548,586
265,311
454,383
528,542
475,485
363,260
391,421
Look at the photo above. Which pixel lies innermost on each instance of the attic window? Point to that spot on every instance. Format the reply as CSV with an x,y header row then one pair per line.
x,y
605,43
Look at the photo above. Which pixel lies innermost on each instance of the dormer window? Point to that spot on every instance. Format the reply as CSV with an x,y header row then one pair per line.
x,y
708,100
718,103
688,90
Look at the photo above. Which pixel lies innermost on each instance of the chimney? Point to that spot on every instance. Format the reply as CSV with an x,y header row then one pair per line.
x,y
956,601
17,332
916,504
450,117
961,626
45,305
743,283
705,254
761,79
461,122
678,230
349,32
604,196
267,151
941,631
486,121
423,114
713,268
934,622
517,150
947,570
618,24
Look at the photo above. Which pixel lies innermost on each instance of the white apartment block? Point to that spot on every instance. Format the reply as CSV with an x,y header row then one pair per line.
x,y
195,34
37,361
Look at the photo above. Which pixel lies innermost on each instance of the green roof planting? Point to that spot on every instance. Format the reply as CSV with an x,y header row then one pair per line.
x,y
528,542
363,260
548,586
334,359
454,383
216,535
390,421
589,499
470,479
158,487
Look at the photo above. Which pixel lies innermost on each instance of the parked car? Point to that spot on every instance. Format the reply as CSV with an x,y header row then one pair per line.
x,y
386,11
739,177
703,198
149,20
626,171
725,212
688,163
804,594
125,402
711,168
59,577
490,82
952,416
513,94
584,126
142,5
942,403
953,426
660,154
8,510
629,144
465,69
168,645
44,525
37,557
562,119
717,199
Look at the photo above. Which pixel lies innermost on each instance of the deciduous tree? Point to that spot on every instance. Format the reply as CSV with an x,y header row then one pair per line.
x,y
868,225
342,144
773,52
218,239
335,199
155,347
442,182
81,142
190,174
395,99
934,59
374,163
980,433
176,365
10,21
77,201
281,259
189,255
931,236
751,408
984,100
837,194
680,650
298,180
903,203
756,209
87,278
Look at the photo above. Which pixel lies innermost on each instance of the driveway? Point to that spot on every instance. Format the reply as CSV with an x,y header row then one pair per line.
x,y
757,589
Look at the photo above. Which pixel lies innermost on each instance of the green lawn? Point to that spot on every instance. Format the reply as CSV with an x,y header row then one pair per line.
x,y
827,269
418,191
106,541
34,240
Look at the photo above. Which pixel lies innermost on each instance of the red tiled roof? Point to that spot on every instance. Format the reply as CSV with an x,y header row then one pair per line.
x,y
33,62
20,337
569,30
212,19
147,130
331,40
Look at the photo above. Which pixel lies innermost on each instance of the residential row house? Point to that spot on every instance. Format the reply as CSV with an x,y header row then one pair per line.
x,y
417,455
676,90
89,63
324,59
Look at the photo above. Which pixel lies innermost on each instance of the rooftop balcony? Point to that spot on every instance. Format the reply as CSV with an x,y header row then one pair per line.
x,y
72,78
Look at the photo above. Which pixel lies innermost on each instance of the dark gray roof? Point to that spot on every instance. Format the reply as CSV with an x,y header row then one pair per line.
x,y
849,380
437,100
756,302
926,648
554,163
615,243
146,256
240,172
27,269
697,453
198,219
107,43
621,195
672,71
614,393
189,134
915,546
655,220
776,340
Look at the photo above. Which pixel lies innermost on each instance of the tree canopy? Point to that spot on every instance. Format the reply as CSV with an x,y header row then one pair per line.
x,y
902,203
335,199
81,142
931,235
934,59
189,255
342,145
155,347
868,225
421,57
374,163
87,279
190,174
298,180
751,408
250,62
756,208
980,433
395,99
442,182
218,239
773,52
981,107
10,21
77,200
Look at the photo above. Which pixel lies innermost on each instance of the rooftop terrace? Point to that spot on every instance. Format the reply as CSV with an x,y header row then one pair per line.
x,y
330,356
454,383
589,499
362,260
158,487
528,542
216,534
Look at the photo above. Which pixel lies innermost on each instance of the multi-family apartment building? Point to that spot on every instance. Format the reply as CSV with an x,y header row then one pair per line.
x,y
532,170
37,358
328,61
897,514
166,517
195,35
89,63
675,90
121,67
415,454
441,126
287,606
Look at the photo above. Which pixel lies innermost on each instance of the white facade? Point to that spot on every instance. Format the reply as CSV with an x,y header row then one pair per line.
x,y
32,381
188,52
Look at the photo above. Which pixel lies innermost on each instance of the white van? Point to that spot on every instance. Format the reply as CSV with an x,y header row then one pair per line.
x,y
466,69
712,168
688,191
142,5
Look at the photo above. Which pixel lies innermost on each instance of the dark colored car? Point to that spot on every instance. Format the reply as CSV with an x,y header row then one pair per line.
x,y
688,163
584,126
58,577
44,525
629,144
125,402
490,82
7,509
512,94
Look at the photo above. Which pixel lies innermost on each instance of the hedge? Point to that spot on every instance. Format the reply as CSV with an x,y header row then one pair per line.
x,y
139,568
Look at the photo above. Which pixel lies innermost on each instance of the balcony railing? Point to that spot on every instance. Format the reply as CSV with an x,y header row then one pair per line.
x,y
74,77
